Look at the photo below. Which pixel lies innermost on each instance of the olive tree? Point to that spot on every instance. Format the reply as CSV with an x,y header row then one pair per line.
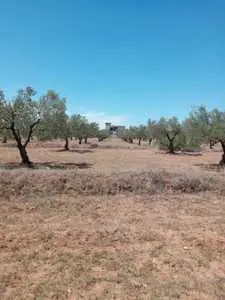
x,y
128,134
209,127
92,130
123,133
103,134
166,132
54,121
132,133
149,131
4,132
140,133
79,127
20,116
190,139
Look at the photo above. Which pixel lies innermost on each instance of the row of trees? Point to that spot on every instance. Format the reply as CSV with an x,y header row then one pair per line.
x,y
200,127
55,123
46,118
168,133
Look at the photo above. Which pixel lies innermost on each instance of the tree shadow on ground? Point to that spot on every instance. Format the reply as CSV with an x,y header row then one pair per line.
x,y
210,167
189,153
48,166
179,153
80,151
7,145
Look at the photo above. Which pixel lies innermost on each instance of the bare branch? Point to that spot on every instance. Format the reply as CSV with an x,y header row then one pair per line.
x,y
168,136
30,132
15,134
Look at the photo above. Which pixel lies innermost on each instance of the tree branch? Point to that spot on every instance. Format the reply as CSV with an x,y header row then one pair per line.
x,y
15,134
30,132
175,133
168,136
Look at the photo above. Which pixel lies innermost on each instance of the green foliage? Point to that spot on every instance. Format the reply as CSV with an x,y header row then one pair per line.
x,y
21,114
168,133
127,134
132,132
54,120
191,139
103,134
93,129
2,112
199,124
123,133
79,126
141,132
207,125
150,130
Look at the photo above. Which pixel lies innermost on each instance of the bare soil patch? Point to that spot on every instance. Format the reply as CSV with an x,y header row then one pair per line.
x,y
136,224
120,247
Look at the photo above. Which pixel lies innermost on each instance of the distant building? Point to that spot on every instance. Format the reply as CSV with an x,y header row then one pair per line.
x,y
113,128
107,126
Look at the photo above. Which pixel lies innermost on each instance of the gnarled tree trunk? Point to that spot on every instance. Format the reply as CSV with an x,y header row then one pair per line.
x,y
139,142
22,146
4,139
23,154
171,146
85,139
66,146
211,144
222,161
80,140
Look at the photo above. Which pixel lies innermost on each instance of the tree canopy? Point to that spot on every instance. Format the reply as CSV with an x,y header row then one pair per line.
x,y
55,122
166,132
208,127
21,115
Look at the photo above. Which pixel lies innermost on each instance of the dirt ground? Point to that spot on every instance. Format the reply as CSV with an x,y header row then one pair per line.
x,y
134,245
114,159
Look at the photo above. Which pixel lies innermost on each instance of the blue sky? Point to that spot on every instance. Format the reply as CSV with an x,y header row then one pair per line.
x,y
121,60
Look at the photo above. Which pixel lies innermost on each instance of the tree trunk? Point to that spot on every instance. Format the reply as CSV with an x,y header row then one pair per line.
x,y
22,148
86,140
139,142
222,161
80,140
211,144
66,147
131,140
150,141
24,156
4,139
171,146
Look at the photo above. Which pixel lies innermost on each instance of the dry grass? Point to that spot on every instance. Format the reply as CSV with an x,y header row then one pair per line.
x,y
131,225
44,183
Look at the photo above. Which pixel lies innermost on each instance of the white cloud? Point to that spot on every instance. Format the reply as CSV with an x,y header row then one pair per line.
x,y
101,118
